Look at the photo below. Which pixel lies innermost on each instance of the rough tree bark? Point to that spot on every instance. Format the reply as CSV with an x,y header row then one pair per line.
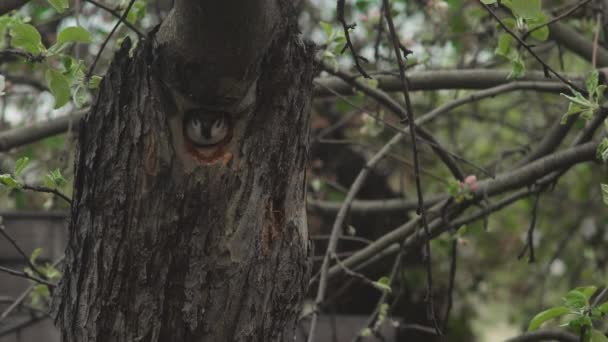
x,y
169,243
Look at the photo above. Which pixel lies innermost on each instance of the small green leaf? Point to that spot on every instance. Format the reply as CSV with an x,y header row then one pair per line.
x,y
526,8
80,96
542,33
39,295
366,332
518,68
591,82
9,181
587,114
74,34
489,2
26,36
504,45
604,193
576,299
50,272
598,336
602,150
383,284
546,315
59,86
59,5
588,291
137,12
94,82
603,308
35,255
20,164
461,231
54,179
327,28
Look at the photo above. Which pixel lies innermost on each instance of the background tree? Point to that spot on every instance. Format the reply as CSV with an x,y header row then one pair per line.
x,y
451,189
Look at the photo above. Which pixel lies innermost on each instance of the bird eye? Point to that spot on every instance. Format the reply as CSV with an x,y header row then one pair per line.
x,y
207,131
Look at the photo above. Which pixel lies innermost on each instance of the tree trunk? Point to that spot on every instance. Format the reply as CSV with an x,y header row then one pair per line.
x,y
168,244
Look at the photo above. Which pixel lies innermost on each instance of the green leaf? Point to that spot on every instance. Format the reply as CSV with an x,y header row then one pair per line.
x,y
362,5
54,179
591,82
35,255
546,315
541,33
461,231
576,299
327,28
59,5
9,181
504,45
599,93
587,114
526,8
50,271
39,295
605,193
598,336
94,82
383,284
588,291
137,12
602,150
59,86
489,2
518,68
366,332
81,96
74,34
20,164
26,36
603,308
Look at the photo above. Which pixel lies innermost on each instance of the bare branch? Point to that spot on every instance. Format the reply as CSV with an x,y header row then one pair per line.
x,y
448,79
26,135
545,335
577,43
9,5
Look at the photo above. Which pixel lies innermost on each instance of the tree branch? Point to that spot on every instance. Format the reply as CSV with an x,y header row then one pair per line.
x,y
545,335
507,181
9,5
577,43
25,135
448,79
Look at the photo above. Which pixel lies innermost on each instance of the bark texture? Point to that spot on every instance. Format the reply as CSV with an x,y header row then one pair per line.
x,y
166,248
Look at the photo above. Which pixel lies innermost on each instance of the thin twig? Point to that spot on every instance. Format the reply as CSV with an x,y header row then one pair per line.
x,y
556,19
346,27
530,239
26,276
452,283
47,190
546,67
596,37
105,42
15,245
117,15
421,209
356,275
24,294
